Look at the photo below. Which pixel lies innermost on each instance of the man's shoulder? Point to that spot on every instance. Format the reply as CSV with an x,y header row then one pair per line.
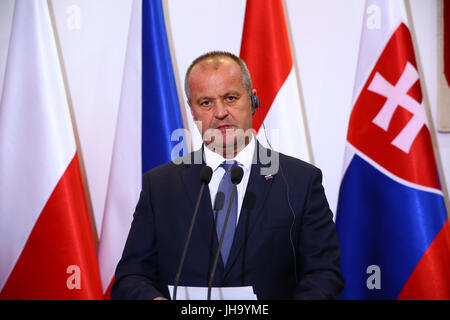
x,y
287,162
296,163
296,170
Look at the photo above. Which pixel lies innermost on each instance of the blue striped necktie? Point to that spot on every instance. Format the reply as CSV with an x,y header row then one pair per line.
x,y
221,205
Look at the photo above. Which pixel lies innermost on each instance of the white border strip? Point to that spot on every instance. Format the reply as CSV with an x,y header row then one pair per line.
x,y
391,175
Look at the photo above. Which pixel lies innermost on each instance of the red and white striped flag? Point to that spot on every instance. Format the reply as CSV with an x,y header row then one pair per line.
x,y
46,244
266,50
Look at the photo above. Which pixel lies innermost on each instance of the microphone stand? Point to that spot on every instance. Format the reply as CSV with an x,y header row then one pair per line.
x,y
236,177
205,178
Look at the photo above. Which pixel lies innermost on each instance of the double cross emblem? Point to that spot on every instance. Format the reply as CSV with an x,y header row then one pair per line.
x,y
397,96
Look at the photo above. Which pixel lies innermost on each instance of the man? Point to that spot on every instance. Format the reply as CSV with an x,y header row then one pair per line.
x,y
280,238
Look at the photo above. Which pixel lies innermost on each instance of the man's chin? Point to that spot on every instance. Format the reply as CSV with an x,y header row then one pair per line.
x,y
228,148
226,143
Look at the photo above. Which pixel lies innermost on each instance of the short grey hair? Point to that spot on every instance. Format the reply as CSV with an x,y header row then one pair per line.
x,y
246,78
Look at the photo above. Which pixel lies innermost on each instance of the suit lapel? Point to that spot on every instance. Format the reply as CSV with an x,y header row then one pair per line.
x,y
190,176
256,193
257,190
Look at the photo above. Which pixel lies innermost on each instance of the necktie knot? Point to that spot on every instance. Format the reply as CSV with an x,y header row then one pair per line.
x,y
229,164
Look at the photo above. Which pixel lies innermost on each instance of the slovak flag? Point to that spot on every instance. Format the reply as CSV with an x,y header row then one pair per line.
x,y
391,218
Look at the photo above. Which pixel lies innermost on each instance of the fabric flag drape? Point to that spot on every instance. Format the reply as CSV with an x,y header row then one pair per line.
x,y
46,244
446,18
391,218
125,173
443,60
161,113
149,112
266,50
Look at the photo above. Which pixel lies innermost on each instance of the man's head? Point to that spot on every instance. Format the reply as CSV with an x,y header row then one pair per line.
x,y
218,87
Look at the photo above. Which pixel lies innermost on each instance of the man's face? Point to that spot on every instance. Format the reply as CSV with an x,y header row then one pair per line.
x,y
221,104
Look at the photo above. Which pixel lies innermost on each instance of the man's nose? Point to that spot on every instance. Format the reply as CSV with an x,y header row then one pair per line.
x,y
220,110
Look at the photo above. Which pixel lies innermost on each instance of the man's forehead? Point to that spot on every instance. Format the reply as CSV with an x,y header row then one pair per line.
x,y
210,64
209,78
214,63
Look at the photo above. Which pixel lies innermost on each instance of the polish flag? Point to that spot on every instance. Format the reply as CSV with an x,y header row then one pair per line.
x,y
266,50
46,244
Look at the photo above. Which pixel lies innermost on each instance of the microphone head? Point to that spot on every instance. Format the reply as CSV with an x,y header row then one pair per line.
x,y
236,175
206,174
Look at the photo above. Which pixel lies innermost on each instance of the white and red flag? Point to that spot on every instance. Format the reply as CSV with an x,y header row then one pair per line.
x,y
266,50
46,244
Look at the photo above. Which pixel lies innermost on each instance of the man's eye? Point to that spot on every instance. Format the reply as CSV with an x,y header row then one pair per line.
x,y
205,103
230,98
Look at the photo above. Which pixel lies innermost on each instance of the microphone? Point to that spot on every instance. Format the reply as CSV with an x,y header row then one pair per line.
x,y
205,178
236,176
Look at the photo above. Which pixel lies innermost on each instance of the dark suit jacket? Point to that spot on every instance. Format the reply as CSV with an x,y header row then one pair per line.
x,y
281,257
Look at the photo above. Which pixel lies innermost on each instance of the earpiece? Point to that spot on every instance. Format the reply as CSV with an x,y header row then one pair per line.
x,y
255,103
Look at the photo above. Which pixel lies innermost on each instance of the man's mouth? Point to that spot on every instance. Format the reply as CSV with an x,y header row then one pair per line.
x,y
225,127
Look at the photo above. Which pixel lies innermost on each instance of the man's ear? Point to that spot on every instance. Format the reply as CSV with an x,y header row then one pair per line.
x,y
254,101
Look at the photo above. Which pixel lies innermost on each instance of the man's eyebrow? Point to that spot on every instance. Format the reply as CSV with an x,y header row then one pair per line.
x,y
231,92
204,97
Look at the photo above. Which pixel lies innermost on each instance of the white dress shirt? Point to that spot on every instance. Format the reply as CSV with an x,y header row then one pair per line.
x,y
244,158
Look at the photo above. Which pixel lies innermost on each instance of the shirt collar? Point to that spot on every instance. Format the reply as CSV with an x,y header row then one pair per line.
x,y
244,157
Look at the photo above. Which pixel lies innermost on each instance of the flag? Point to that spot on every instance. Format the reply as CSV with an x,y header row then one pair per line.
x,y
46,243
266,50
443,58
446,36
124,182
149,112
161,113
391,218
